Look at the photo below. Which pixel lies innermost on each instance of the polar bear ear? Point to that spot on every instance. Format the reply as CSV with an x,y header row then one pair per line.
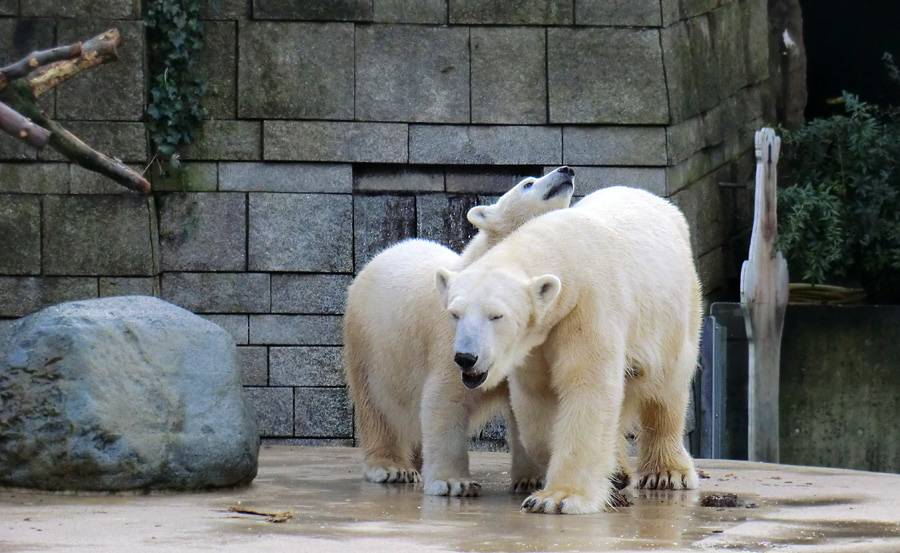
x,y
544,290
482,216
442,281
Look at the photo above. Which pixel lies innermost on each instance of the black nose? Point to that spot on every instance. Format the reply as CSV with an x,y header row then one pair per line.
x,y
465,360
566,170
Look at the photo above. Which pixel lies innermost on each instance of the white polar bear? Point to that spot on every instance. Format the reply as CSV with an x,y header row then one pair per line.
x,y
396,338
609,292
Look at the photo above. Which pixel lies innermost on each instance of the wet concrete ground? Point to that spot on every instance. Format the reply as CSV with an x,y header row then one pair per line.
x,y
783,508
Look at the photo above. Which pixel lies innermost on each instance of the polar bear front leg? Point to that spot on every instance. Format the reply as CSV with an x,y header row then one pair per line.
x,y
585,438
445,437
527,475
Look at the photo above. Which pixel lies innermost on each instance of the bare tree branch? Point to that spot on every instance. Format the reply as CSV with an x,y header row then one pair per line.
x,y
22,128
35,60
96,51
24,81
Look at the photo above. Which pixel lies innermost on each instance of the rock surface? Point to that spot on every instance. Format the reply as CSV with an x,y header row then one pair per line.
x,y
122,393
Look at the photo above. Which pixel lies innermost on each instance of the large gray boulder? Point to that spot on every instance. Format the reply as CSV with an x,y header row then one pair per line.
x,y
122,393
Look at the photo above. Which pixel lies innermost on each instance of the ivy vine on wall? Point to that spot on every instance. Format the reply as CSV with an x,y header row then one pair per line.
x,y
174,40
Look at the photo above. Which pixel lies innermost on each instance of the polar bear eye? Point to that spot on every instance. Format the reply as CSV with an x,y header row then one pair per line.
x,y
454,316
496,317
528,184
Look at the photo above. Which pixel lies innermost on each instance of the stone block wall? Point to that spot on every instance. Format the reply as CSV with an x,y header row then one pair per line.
x,y
338,128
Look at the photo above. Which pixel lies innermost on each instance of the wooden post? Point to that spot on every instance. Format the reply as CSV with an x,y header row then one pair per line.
x,y
764,293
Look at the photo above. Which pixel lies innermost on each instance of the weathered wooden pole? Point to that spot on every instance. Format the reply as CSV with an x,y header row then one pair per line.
x,y
764,294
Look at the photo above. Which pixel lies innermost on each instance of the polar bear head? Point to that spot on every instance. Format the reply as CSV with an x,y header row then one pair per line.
x,y
525,201
496,318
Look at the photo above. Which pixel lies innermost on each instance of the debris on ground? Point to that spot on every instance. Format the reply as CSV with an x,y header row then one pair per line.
x,y
720,500
702,474
270,517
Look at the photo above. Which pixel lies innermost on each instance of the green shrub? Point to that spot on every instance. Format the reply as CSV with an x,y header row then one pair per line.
x,y
839,216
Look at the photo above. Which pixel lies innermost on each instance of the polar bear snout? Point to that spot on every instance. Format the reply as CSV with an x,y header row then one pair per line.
x,y
465,360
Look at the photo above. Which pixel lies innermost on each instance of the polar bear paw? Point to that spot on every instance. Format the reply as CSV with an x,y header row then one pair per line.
x,y
573,503
453,487
669,480
391,475
526,484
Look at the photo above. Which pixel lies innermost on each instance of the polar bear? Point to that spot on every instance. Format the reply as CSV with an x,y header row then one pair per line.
x,y
395,336
593,316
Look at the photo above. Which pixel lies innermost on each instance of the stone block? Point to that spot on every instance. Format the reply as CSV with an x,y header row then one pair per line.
x,y
306,366
314,10
485,145
297,330
102,395
442,218
20,296
632,89
217,66
386,56
310,442
323,413
730,49
82,181
274,409
120,84
397,179
703,207
695,167
34,178
12,149
19,37
509,75
254,364
379,222
614,146
309,294
126,140
755,23
711,270
9,7
691,67
232,140
203,232
336,141
86,9
684,139
525,12
676,10
218,292
411,11
236,325
128,286
100,235
488,180
20,234
591,179
295,70
191,176
286,177
615,13
225,9
301,232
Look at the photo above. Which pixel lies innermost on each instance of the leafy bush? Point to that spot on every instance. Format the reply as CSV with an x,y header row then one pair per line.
x,y
175,37
840,214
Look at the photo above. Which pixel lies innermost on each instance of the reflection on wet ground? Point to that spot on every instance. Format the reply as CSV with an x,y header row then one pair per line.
x,y
334,509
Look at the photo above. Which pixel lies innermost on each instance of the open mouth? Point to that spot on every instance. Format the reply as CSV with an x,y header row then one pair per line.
x,y
564,185
474,379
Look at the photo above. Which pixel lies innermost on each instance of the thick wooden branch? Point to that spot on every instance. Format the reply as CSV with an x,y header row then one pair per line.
x,y
13,123
74,149
96,51
43,71
35,60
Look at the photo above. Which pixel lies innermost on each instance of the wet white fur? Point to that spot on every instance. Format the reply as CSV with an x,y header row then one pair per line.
x,y
398,346
603,287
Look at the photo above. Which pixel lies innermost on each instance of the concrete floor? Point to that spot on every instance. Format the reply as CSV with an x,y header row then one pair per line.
x,y
796,509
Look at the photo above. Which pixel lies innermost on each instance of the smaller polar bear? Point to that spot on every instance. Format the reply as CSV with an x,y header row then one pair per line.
x,y
396,339
593,315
